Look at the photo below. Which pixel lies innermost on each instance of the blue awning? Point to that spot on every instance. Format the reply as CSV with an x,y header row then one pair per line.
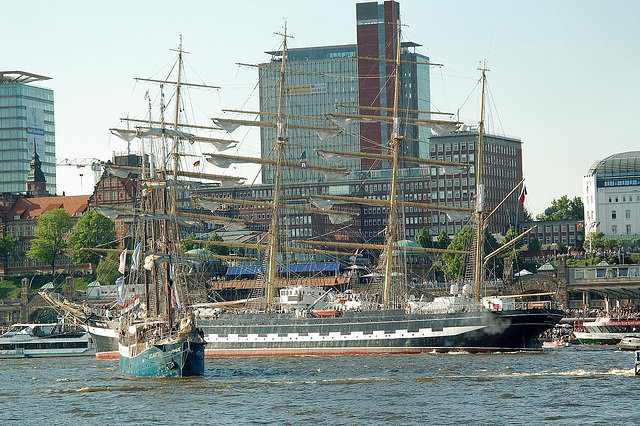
x,y
296,268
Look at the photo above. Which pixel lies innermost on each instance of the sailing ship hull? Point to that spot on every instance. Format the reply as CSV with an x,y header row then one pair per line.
x,y
182,359
376,332
104,333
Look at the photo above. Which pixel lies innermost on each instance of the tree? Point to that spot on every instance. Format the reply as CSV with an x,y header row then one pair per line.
x,y
594,240
107,269
6,245
494,266
188,244
50,242
511,235
443,240
534,245
217,249
424,238
564,209
453,264
93,230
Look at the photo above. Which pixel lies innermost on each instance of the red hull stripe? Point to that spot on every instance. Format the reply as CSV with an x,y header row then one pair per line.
x,y
107,355
241,353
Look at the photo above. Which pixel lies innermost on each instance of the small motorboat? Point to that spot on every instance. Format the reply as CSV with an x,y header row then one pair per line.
x,y
555,344
629,343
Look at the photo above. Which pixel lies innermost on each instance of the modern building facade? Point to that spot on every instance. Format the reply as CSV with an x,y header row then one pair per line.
x,y
26,121
611,196
502,172
569,233
346,79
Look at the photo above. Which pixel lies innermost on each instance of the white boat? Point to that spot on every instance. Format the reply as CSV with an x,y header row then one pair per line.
x,y
45,340
608,331
629,343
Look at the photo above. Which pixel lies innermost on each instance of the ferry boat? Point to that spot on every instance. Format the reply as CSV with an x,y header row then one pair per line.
x,y
608,331
45,340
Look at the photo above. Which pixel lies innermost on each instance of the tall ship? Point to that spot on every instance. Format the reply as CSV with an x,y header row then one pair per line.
x,y
380,318
158,336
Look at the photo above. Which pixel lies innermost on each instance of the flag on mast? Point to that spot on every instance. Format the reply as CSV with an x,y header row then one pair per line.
x,y
123,261
135,257
303,160
523,194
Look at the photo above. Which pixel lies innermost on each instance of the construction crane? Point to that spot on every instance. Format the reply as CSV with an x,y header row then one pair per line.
x,y
94,163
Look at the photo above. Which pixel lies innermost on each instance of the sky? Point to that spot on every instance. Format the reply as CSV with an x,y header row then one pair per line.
x,y
563,74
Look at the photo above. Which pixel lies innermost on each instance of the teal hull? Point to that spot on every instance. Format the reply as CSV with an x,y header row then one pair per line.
x,y
170,360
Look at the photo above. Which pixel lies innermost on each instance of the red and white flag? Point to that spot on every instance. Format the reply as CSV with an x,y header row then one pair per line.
x,y
523,194
123,261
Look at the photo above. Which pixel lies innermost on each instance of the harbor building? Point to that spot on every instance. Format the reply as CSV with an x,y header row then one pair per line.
x,y
26,122
347,79
611,196
568,232
20,211
502,171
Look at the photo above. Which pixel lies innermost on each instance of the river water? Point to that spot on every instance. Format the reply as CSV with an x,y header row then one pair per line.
x,y
574,385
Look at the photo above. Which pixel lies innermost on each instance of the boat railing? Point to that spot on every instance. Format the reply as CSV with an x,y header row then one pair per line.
x,y
542,304
282,282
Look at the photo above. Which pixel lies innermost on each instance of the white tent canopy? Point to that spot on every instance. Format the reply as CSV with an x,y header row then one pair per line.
x,y
522,273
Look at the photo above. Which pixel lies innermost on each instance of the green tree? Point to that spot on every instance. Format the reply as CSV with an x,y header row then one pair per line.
x,y
217,249
443,240
107,269
93,230
424,238
564,208
610,243
534,245
594,240
50,237
187,244
495,265
453,264
510,235
6,245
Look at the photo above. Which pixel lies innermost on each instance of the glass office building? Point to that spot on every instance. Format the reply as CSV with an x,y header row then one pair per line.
x,y
26,120
340,80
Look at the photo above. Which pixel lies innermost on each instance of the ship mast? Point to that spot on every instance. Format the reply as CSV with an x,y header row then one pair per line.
x,y
393,145
281,140
479,213
170,286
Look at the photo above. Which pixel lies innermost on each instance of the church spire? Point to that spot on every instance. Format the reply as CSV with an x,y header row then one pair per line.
x,y
36,182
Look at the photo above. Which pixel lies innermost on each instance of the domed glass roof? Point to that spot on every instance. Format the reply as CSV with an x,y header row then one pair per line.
x,y
623,162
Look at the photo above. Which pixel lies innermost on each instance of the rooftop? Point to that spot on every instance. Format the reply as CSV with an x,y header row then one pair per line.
x,y
617,163
20,77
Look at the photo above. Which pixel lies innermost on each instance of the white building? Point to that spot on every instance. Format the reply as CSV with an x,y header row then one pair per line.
x,y
611,196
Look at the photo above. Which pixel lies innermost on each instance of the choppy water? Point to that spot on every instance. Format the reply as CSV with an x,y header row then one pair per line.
x,y
577,385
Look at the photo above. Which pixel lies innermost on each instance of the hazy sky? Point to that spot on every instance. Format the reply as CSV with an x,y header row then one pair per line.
x,y
563,73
